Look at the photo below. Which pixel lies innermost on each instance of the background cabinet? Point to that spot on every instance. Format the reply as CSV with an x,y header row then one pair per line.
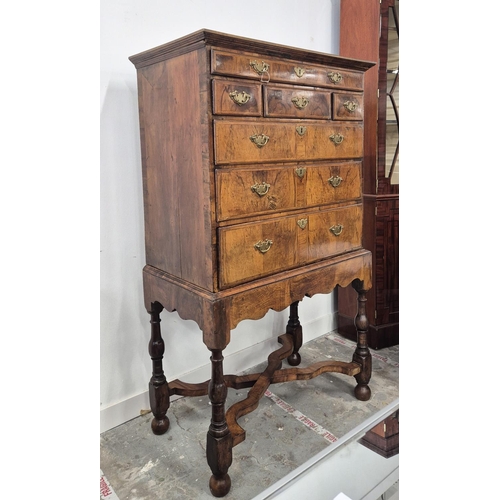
x,y
369,29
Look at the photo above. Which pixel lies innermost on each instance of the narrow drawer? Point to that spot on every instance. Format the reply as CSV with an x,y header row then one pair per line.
x,y
251,251
246,192
251,141
296,102
269,69
347,106
236,98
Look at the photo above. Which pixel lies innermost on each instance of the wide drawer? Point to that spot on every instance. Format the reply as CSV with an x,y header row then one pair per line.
x,y
269,69
232,97
251,141
250,251
243,192
296,102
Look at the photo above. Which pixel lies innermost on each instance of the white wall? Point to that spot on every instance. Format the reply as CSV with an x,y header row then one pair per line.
x,y
129,27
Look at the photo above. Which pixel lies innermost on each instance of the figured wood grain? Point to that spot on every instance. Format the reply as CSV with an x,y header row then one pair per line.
x,y
280,70
322,242
286,189
233,143
223,104
178,234
278,102
340,112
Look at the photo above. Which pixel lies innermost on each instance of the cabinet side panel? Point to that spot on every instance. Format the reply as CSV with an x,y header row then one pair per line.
x,y
172,100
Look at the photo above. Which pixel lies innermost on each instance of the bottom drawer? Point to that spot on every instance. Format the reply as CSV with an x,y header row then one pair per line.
x,y
253,250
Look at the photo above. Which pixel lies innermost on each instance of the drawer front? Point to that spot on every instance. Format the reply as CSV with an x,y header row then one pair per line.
x,y
240,258
333,232
251,251
269,69
245,192
296,102
253,140
347,106
236,98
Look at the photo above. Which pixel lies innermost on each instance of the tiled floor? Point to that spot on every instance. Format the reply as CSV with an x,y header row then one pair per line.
x,y
293,422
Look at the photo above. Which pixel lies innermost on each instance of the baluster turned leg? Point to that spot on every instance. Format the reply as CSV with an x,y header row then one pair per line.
x,y
295,329
362,354
159,396
219,439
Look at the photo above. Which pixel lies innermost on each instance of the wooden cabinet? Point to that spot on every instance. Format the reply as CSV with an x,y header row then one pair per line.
x,y
369,29
252,163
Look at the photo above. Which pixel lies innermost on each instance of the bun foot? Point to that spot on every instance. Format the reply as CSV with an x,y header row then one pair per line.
x,y
160,426
294,359
362,392
220,487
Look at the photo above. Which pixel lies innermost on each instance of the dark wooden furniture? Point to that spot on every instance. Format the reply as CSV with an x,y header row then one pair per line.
x,y
369,29
251,157
384,437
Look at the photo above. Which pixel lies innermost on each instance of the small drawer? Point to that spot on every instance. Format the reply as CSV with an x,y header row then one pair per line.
x,y
347,106
243,192
236,98
296,102
271,69
254,250
256,141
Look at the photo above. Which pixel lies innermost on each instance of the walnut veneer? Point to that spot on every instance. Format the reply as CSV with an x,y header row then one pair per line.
x,y
251,156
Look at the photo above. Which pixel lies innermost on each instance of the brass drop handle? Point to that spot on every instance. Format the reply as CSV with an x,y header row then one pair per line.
x,y
260,140
336,229
335,77
300,102
336,138
240,98
335,181
261,189
350,106
261,69
263,246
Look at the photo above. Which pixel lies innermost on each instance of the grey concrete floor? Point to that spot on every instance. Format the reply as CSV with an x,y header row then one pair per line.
x,y
279,437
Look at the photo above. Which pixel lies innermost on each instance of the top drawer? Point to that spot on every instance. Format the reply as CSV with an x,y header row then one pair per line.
x,y
269,69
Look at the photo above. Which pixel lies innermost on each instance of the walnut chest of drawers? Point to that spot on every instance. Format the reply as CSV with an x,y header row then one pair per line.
x,y
251,157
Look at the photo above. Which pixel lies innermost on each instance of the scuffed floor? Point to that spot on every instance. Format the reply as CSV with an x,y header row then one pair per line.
x,y
294,421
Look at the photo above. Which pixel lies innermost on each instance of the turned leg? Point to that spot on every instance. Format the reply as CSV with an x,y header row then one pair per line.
x,y
362,354
295,329
159,396
219,439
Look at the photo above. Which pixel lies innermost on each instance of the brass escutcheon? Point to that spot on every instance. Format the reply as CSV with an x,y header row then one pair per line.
x,y
300,171
260,140
302,223
259,68
301,130
300,102
337,229
350,106
263,246
335,77
335,181
300,72
261,189
240,98
336,138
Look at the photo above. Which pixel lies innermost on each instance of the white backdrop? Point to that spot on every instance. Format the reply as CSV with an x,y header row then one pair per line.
x,y
129,27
